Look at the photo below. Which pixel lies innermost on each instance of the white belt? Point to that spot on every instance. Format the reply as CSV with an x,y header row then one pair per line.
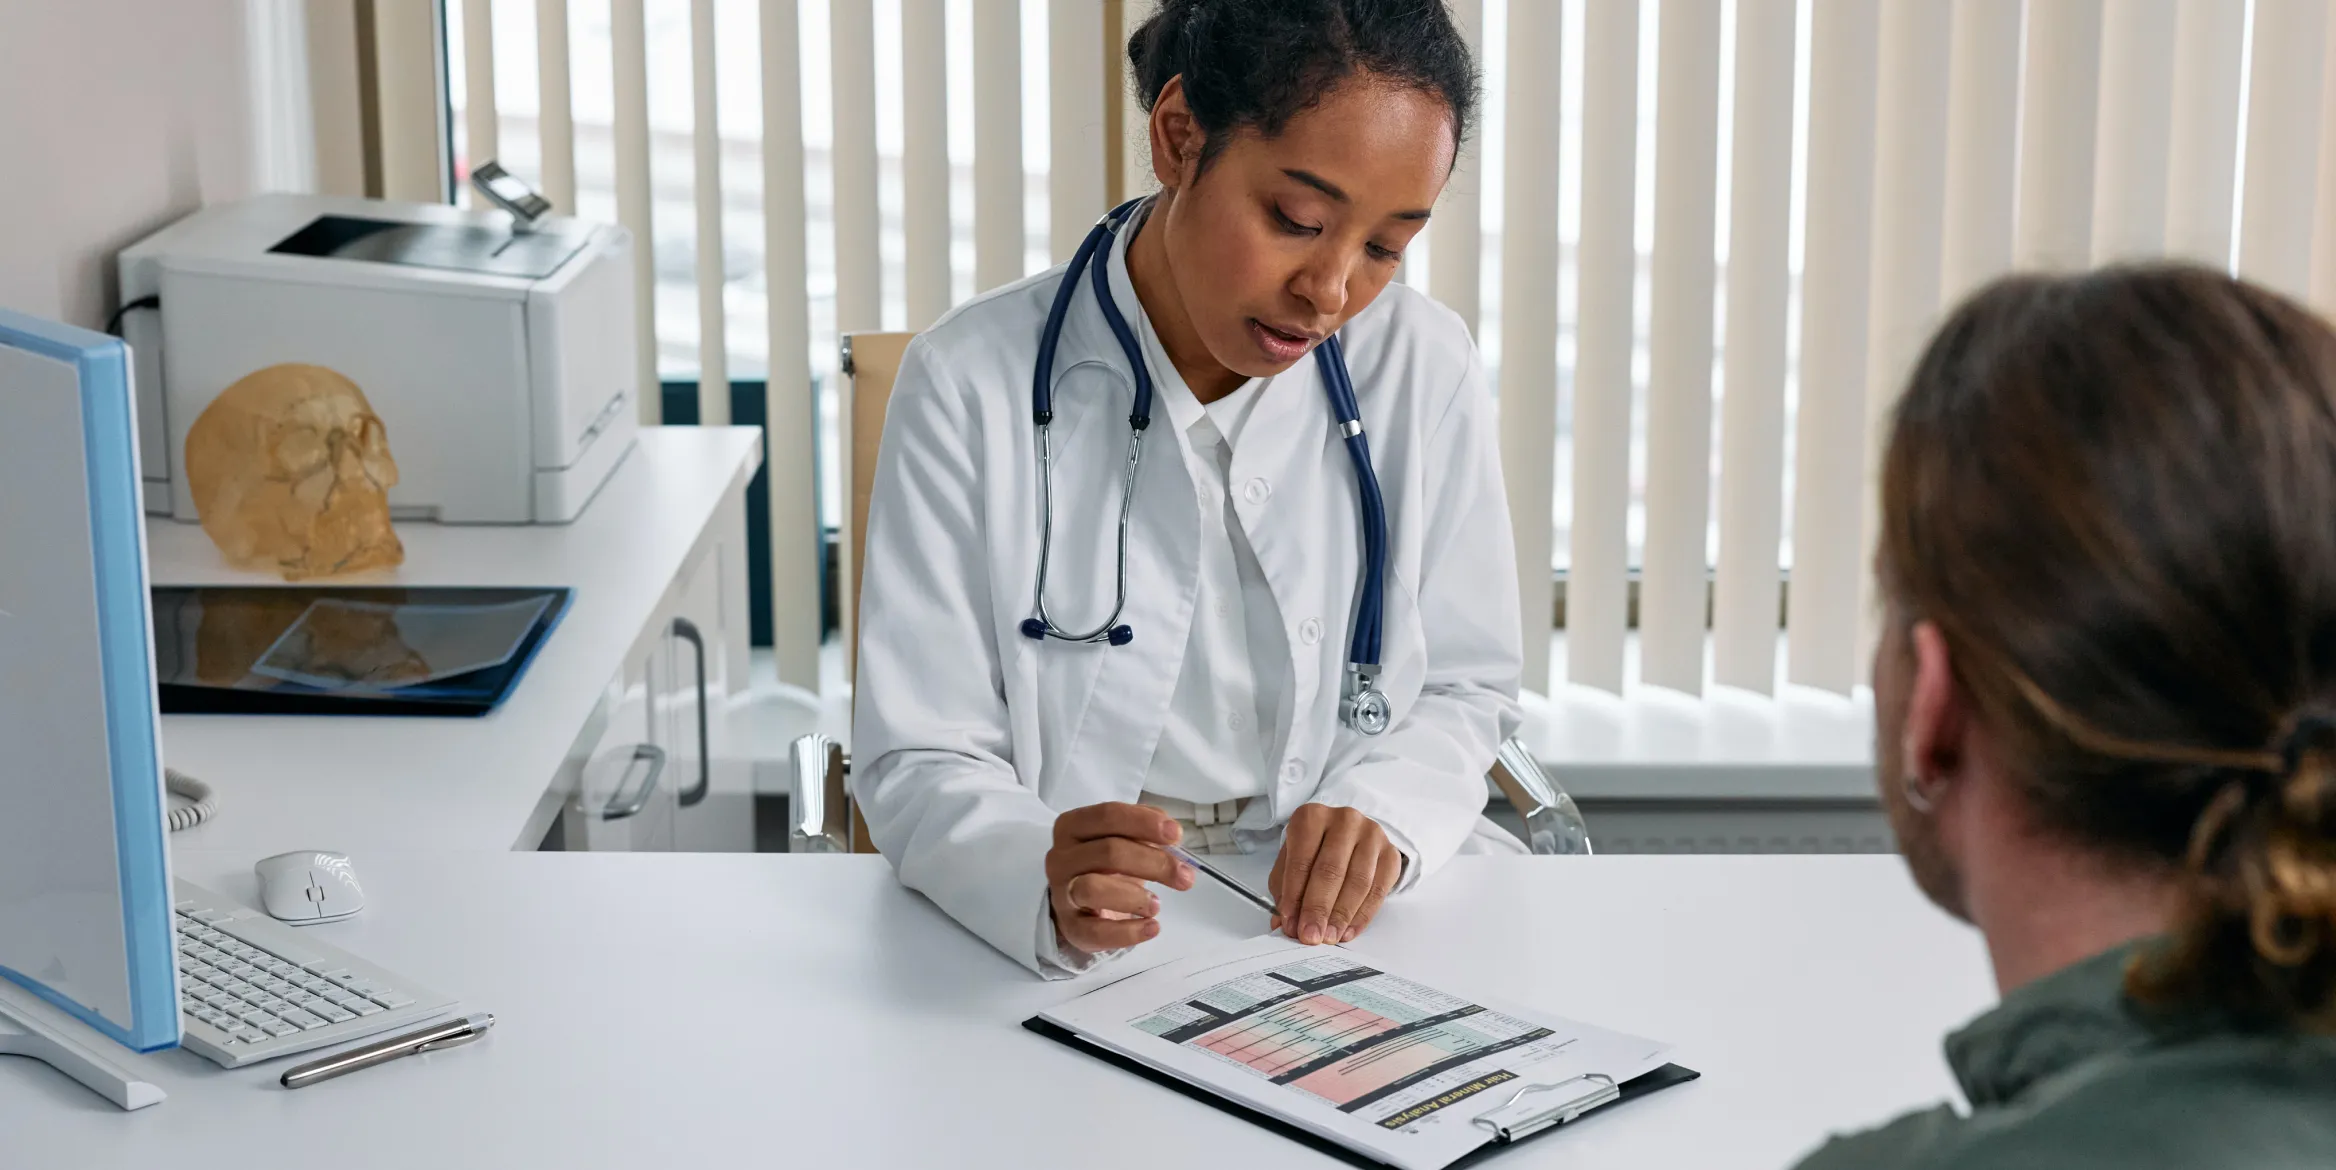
x,y
1208,828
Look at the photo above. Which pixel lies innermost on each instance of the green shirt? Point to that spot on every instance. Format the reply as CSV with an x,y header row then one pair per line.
x,y
2067,1073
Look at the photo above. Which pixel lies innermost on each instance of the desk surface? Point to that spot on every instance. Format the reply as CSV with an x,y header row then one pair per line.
x,y
679,1010
360,784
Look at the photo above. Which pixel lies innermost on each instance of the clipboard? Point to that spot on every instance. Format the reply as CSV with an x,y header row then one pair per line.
x,y
1526,1115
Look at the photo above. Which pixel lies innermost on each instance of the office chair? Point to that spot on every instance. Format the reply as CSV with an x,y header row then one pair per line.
x,y
819,810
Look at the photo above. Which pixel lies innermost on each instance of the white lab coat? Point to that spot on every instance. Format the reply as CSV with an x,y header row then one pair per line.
x,y
970,738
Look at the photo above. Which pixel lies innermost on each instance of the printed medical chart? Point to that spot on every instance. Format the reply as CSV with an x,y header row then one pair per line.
x,y
1332,1041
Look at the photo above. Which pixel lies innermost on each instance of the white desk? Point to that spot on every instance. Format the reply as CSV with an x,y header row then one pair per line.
x,y
706,1010
366,784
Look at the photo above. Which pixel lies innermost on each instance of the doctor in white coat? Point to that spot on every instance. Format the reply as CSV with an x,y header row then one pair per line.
x,y
1027,785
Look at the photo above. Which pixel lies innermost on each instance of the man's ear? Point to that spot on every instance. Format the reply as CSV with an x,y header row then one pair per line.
x,y
1938,715
1176,137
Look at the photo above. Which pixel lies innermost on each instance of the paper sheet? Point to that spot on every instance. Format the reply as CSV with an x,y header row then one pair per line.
x,y
1335,1043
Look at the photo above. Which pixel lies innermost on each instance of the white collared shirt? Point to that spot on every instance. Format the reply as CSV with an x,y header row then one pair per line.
x,y
1218,739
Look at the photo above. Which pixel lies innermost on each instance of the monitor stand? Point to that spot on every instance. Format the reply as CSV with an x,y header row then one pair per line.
x,y
29,1027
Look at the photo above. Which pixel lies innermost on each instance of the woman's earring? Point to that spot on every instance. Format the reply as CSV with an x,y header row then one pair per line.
x,y
1918,797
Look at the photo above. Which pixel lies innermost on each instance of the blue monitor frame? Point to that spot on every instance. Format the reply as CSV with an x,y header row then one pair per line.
x,y
125,647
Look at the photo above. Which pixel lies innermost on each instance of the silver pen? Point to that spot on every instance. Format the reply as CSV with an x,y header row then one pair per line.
x,y
1225,879
427,1039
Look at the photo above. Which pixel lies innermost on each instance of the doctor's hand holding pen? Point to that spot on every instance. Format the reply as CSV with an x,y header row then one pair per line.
x,y
1334,871
1095,874
1332,875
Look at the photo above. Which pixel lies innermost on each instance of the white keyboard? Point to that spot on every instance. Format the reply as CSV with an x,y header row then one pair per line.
x,y
252,988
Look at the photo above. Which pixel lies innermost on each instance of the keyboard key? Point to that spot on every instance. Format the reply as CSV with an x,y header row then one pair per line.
x,y
254,1016
279,1028
303,1019
251,1035
363,1007
392,999
332,1012
184,905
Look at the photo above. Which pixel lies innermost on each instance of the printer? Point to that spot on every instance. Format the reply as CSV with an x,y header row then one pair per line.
x,y
501,356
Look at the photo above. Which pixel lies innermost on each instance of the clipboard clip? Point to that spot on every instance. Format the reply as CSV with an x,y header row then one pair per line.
x,y
1534,1108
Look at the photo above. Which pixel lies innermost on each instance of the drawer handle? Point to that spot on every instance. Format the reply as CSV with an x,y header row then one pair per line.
x,y
687,631
618,807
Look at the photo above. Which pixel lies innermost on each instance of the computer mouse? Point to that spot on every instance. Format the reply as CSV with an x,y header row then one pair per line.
x,y
309,885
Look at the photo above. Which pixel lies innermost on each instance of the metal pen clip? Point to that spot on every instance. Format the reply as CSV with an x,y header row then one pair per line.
x,y
1526,1113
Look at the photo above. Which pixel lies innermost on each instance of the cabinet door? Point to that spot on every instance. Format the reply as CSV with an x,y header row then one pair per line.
x,y
714,791
624,799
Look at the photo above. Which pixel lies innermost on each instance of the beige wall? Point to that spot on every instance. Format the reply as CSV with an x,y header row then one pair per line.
x,y
116,117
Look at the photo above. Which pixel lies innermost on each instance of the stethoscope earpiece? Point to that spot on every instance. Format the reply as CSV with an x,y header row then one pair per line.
x,y
1364,707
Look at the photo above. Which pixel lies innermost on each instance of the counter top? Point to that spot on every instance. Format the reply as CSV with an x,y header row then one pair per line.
x,y
363,784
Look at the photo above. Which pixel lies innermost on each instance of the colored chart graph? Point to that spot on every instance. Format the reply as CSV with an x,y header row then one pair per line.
x,y
1295,1033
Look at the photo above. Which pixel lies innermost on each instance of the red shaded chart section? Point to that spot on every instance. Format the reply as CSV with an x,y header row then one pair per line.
x,y
1374,1068
1295,1033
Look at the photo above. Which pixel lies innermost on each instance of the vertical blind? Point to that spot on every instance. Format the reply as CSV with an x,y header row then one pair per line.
x,y
1703,240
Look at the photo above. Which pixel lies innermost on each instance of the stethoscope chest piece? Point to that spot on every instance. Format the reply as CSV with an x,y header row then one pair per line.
x,y
1364,706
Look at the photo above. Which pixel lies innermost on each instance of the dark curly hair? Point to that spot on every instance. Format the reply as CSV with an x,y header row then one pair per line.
x,y
1256,64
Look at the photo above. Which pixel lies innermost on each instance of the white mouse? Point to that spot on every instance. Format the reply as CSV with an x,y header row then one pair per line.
x,y
307,886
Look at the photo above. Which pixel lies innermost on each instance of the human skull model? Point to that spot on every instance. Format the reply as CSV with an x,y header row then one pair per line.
x,y
291,471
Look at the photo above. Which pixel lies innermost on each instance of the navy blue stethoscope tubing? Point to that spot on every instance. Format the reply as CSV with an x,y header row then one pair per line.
x,y
1330,358
1338,386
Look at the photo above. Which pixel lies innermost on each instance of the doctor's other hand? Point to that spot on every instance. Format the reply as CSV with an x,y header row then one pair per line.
x,y
1095,874
1335,869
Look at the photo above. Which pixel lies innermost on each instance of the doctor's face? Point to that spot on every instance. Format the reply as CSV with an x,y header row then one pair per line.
x,y
1279,241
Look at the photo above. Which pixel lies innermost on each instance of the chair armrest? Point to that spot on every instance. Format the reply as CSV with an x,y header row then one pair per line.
x,y
818,806
1553,823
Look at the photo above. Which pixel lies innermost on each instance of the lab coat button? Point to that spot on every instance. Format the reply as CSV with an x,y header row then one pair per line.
x,y
1257,491
1293,771
1310,631
1235,721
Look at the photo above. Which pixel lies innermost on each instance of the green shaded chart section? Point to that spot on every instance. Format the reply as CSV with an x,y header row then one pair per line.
x,y
1247,995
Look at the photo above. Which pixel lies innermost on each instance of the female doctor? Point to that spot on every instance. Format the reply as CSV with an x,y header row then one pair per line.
x,y
1201,539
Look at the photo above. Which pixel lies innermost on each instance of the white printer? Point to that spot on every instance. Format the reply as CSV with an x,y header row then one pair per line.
x,y
504,363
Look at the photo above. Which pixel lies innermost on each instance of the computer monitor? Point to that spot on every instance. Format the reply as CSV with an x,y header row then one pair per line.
x,y
85,888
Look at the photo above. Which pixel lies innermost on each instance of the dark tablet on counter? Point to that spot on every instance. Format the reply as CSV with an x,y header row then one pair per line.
x,y
306,650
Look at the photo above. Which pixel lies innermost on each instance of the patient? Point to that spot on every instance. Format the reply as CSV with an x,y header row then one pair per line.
x,y
2106,696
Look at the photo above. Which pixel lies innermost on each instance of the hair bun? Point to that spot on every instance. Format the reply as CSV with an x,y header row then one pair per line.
x,y
2310,729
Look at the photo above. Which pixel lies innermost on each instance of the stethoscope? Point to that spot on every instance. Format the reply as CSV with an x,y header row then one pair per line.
x,y
1362,705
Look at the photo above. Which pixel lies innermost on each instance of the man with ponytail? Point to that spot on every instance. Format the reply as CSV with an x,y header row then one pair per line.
x,y
2106,708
